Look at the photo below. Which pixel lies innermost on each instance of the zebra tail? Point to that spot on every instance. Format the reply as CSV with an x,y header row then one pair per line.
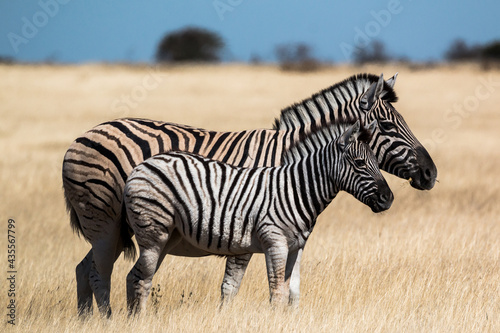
x,y
73,218
126,233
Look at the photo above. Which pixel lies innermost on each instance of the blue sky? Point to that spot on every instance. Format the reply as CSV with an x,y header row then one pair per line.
x,y
130,30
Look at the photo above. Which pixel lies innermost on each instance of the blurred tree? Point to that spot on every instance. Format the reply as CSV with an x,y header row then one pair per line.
x,y
190,44
255,59
491,51
460,51
374,52
6,60
490,55
296,56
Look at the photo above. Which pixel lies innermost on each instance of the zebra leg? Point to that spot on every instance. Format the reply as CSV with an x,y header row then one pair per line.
x,y
140,278
83,289
276,259
235,269
174,239
105,252
292,276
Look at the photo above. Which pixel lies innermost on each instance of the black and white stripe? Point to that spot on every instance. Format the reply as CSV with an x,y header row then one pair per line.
x,y
98,163
227,210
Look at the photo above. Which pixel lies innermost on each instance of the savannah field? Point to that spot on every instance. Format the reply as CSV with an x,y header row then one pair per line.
x,y
429,264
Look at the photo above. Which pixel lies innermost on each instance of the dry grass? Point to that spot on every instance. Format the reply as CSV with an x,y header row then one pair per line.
x,y
429,264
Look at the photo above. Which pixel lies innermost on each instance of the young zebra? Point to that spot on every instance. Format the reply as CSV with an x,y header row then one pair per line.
x,y
226,210
98,163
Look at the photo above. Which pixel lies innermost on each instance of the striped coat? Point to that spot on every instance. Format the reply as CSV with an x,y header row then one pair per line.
x,y
226,210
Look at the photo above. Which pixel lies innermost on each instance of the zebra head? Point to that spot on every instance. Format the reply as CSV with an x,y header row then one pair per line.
x,y
359,170
398,151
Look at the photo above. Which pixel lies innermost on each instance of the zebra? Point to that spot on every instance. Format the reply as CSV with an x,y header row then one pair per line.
x,y
226,210
97,164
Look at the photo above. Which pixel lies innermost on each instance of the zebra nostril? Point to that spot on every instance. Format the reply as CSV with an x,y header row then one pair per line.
x,y
386,198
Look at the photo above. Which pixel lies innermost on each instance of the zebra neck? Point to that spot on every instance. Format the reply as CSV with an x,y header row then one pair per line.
x,y
323,108
309,183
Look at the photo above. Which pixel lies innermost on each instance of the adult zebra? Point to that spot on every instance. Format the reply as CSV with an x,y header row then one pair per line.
x,y
225,210
98,163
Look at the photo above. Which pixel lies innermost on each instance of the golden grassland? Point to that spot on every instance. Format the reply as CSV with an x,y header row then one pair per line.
x,y
429,264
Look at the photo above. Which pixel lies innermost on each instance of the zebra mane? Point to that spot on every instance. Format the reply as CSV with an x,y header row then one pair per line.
x,y
298,115
320,137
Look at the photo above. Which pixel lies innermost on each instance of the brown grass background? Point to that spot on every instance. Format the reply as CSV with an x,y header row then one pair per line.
x,y
429,264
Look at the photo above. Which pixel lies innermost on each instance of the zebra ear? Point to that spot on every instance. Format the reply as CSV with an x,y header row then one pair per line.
x,y
372,94
372,127
392,81
349,135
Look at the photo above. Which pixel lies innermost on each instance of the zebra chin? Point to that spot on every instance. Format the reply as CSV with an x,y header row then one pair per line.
x,y
425,176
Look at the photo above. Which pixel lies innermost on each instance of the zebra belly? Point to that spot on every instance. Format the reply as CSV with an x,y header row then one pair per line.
x,y
186,249
232,241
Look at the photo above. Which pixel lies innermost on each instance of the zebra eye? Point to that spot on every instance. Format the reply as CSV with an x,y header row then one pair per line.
x,y
387,126
360,163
